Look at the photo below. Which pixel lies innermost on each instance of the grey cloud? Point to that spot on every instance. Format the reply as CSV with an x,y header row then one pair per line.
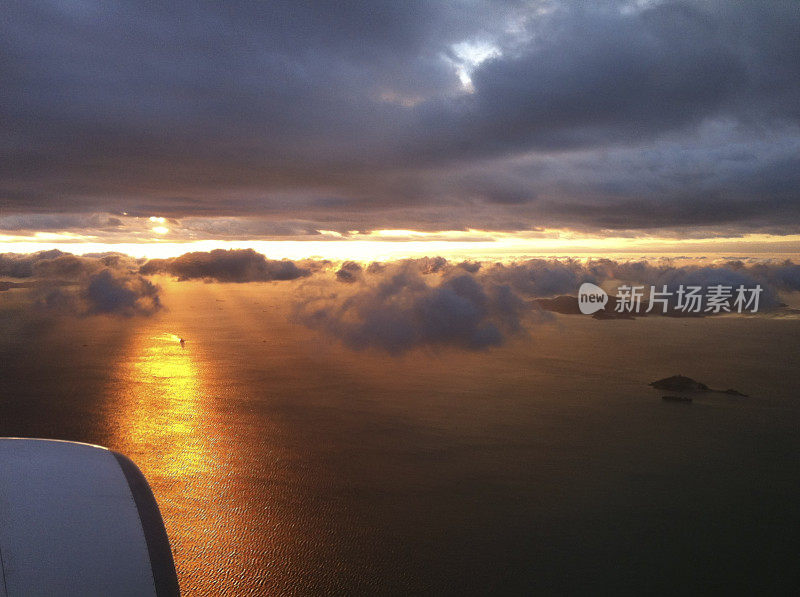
x,y
784,276
404,310
112,292
706,277
66,284
773,278
55,264
594,77
16,265
470,266
349,272
235,265
540,277
546,278
105,293
430,265
58,221
350,115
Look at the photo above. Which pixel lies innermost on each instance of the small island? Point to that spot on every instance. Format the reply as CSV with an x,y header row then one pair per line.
x,y
680,383
687,385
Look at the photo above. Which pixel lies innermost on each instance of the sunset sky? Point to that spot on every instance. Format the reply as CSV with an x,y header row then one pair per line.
x,y
388,129
352,282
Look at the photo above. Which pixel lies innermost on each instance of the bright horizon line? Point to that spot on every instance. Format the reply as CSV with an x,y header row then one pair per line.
x,y
387,244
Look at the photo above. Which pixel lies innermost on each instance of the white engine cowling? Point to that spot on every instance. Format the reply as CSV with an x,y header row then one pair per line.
x,y
77,519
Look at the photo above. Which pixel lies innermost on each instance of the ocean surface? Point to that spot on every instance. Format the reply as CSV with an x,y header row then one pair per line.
x,y
285,464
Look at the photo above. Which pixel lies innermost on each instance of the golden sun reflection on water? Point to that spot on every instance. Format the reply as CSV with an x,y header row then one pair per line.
x,y
164,406
164,418
172,408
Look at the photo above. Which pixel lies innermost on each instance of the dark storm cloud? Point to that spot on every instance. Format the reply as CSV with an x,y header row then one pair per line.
x,y
235,265
364,115
598,77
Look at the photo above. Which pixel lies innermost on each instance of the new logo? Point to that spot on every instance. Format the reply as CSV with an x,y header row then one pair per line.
x,y
591,298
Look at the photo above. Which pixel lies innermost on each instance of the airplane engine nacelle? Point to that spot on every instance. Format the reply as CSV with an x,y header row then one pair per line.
x,y
77,519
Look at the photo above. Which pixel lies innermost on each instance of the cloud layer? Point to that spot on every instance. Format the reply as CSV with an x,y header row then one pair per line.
x,y
393,306
431,302
401,308
234,265
428,115
65,284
